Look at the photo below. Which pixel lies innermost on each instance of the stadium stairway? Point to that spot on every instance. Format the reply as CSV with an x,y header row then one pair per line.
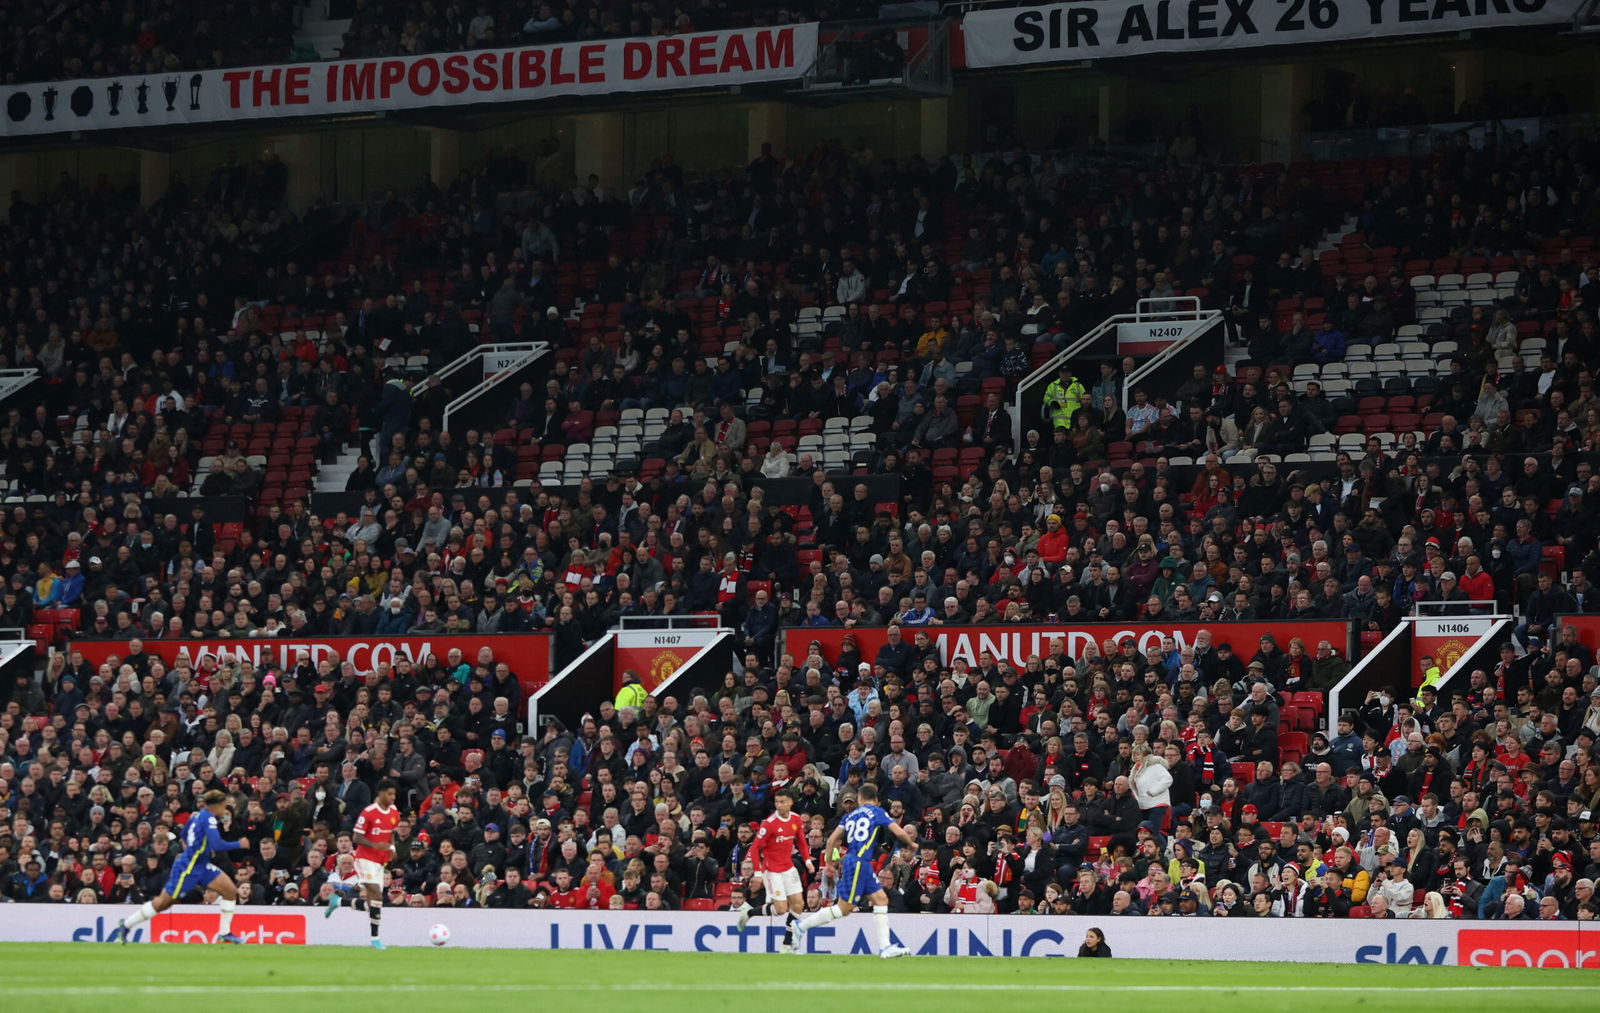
x,y
1331,240
332,477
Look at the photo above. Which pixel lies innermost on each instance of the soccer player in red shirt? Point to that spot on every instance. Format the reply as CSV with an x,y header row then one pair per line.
x,y
772,856
374,840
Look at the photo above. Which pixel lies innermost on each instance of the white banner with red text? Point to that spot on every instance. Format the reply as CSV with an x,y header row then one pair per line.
x,y
387,84
1015,644
1356,941
1068,32
527,654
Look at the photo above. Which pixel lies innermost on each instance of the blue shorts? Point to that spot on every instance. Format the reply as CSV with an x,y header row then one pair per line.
x,y
187,877
857,879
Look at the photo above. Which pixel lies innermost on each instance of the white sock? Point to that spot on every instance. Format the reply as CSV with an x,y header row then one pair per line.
x,y
821,916
225,920
880,927
145,912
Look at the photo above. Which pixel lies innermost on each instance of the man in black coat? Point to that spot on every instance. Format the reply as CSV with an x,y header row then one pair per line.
x,y
1260,740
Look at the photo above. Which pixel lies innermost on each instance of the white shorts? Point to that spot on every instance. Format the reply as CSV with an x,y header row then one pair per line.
x,y
369,872
782,884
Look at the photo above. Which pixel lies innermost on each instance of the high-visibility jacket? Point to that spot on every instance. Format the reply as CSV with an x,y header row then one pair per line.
x,y
1062,401
631,695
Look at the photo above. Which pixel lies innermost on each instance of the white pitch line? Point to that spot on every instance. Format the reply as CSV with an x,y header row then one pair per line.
x,y
879,986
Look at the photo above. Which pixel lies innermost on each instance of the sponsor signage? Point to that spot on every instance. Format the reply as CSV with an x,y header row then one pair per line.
x,y
1148,338
1114,28
1549,945
1015,644
495,363
1445,640
657,654
528,654
1522,947
361,87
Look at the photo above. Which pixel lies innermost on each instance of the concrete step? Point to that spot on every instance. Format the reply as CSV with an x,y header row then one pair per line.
x,y
332,477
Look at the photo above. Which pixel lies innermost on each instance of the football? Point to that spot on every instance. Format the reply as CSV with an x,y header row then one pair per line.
x,y
438,935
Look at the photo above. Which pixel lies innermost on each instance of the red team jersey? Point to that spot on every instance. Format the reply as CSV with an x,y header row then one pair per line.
x,y
377,825
776,839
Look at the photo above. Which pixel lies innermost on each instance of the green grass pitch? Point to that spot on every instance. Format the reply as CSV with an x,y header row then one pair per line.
x,y
78,976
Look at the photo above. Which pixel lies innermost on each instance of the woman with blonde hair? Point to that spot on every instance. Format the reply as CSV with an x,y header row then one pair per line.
x,y
1151,781
1433,906
1055,812
1253,436
221,755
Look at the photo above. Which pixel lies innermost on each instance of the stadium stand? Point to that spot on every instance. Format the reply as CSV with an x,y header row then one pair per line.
x,y
56,41
826,316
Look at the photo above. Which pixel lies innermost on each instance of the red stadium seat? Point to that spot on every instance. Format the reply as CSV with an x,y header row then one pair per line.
x,y
1309,700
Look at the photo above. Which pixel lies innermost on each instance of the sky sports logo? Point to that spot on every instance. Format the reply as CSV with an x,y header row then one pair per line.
x,y
201,927
1495,948
1528,948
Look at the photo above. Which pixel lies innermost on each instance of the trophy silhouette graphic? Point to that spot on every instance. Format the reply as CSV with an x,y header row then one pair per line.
x,y
50,96
194,91
114,97
142,94
169,88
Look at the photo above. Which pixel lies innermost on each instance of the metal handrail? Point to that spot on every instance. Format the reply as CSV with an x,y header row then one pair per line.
x,y
1144,312
1463,603
924,69
477,353
15,379
520,354
692,621
1208,317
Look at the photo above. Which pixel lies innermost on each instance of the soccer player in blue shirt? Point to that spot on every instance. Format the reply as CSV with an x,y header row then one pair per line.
x,y
194,870
861,831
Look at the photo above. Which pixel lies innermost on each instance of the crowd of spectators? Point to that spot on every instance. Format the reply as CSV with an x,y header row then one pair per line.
x,y
404,27
151,323
75,39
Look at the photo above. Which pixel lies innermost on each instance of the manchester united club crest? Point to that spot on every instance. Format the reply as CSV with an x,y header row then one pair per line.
x,y
1449,653
662,666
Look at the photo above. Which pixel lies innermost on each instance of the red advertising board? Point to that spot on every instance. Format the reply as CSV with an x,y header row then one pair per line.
x,y
252,926
1015,643
1528,948
528,654
1588,627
